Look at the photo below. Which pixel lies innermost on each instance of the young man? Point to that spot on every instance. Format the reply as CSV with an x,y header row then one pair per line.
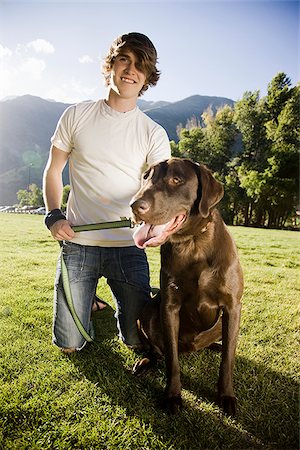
x,y
108,143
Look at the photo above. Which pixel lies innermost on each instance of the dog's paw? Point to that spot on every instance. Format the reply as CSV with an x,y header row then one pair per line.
x,y
228,404
172,405
142,366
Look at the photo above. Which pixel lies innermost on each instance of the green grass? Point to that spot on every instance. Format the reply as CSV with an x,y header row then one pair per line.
x,y
91,400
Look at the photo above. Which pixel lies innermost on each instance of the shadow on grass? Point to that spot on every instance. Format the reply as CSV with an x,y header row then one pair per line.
x,y
267,408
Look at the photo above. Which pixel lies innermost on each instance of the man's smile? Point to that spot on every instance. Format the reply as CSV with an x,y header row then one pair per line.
x,y
127,80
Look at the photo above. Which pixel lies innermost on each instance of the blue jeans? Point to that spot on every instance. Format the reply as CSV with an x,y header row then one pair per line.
x,y
127,272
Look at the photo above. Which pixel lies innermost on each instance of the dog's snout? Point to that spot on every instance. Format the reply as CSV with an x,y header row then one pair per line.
x,y
140,207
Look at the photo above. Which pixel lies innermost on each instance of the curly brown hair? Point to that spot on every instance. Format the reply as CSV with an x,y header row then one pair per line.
x,y
144,51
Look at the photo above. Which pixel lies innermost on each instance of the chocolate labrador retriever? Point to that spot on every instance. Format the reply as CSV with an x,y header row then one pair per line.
x,y
201,281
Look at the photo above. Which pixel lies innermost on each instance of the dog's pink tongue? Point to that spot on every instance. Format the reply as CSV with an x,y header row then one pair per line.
x,y
147,235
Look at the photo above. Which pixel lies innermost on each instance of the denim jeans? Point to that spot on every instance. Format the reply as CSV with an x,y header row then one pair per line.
x,y
127,272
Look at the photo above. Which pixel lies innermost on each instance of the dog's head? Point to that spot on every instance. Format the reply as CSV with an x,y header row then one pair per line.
x,y
172,192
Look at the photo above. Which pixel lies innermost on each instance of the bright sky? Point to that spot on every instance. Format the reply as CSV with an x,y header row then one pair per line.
x,y
55,49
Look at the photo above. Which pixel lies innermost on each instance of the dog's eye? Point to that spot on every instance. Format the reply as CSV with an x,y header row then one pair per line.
x,y
175,181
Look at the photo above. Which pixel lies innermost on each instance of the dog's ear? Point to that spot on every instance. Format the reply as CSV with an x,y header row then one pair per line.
x,y
212,191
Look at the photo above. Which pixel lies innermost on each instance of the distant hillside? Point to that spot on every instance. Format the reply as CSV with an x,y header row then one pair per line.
x,y
145,105
27,124
170,116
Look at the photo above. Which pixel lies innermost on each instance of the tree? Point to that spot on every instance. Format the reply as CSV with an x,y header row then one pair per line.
x,y
283,163
270,183
193,144
250,117
212,143
32,197
253,182
175,149
234,206
220,132
278,94
23,197
65,196
254,150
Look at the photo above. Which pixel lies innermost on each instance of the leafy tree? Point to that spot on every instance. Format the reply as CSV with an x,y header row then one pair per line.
x,y
175,149
269,165
36,195
193,122
193,144
66,192
278,94
23,197
283,163
220,132
212,143
235,205
254,150
250,117
32,197
255,186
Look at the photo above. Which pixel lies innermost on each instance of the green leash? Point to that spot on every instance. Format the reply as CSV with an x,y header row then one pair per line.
x,y
123,223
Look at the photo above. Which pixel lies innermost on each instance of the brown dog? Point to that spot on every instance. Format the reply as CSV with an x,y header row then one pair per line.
x,y
201,278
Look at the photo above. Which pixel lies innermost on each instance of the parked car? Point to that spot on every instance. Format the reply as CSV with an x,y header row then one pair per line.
x,y
41,210
27,209
8,209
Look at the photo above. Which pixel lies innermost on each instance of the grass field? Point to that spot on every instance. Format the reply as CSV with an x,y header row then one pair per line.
x,y
91,400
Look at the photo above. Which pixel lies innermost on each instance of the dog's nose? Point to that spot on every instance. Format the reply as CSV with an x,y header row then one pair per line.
x,y
140,207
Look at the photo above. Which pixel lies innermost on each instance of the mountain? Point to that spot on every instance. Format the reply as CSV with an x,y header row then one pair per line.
x,y
27,124
174,114
145,105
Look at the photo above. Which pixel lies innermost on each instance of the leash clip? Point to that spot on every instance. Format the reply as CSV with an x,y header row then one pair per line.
x,y
131,224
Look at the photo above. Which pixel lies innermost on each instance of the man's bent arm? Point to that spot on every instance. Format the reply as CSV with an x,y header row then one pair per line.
x,y
52,178
52,191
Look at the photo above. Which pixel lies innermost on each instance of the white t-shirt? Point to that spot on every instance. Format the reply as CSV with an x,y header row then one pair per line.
x,y
109,151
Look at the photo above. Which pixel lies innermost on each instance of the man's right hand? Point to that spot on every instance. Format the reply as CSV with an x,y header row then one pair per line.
x,y
62,231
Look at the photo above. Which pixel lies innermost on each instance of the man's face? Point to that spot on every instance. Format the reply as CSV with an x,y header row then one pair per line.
x,y
126,79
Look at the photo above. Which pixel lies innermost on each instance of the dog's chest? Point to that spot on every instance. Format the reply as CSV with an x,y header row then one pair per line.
x,y
192,277
183,261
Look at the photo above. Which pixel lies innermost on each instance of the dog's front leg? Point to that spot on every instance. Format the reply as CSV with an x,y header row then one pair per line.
x,y
169,316
230,328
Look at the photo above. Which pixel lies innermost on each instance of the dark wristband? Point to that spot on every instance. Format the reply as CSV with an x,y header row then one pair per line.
x,y
53,216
